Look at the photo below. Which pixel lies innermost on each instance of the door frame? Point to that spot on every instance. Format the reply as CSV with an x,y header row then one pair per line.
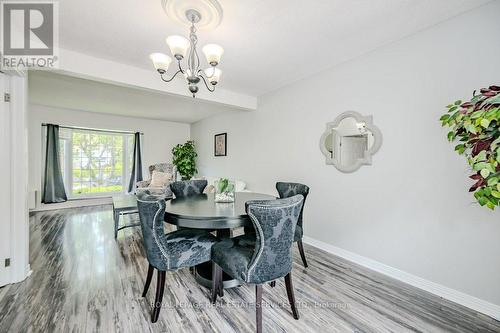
x,y
18,158
5,192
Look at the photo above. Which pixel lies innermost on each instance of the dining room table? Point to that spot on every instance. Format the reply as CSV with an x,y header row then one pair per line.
x,y
202,212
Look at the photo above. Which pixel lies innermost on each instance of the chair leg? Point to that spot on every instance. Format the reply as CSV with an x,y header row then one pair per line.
x,y
258,307
116,218
291,296
220,283
159,296
215,282
151,269
302,254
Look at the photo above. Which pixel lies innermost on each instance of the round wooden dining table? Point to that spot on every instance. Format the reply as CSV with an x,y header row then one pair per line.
x,y
202,212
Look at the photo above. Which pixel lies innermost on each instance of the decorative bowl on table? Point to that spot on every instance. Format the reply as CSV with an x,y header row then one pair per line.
x,y
224,190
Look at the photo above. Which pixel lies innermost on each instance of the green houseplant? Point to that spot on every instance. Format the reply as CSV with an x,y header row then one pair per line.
x,y
184,159
475,127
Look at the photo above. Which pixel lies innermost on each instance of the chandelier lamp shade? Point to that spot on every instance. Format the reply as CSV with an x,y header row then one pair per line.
x,y
185,50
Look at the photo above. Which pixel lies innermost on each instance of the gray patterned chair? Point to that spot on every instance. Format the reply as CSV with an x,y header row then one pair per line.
x,y
286,190
161,167
167,252
266,258
186,188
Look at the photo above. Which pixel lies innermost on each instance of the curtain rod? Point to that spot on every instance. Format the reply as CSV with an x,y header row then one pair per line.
x,y
95,129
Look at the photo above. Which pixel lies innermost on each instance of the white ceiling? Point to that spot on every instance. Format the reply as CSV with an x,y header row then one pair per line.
x,y
268,44
50,89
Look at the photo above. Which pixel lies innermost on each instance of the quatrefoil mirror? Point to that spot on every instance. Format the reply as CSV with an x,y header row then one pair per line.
x,y
350,141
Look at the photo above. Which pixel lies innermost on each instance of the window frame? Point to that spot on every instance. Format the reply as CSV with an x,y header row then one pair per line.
x,y
66,145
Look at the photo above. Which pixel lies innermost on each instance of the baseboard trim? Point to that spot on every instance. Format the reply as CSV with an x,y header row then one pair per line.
x,y
74,204
450,294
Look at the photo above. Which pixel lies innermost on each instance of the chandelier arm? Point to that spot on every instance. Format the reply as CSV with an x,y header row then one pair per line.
x,y
180,68
168,80
206,85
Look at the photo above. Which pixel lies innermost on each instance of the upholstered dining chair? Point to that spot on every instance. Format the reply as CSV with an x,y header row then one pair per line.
x,y
186,188
171,251
286,190
266,258
161,167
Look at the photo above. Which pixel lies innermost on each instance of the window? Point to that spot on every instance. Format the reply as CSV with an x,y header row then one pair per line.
x,y
95,162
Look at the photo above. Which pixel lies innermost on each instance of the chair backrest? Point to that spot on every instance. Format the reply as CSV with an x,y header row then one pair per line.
x,y
274,222
151,214
286,190
162,167
186,188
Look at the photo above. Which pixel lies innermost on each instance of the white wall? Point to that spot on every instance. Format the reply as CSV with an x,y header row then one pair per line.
x,y
410,209
158,140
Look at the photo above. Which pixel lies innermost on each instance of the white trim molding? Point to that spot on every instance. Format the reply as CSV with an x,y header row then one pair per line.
x,y
74,203
450,294
19,172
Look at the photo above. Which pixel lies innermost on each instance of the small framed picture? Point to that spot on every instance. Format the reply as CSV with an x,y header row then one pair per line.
x,y
220,144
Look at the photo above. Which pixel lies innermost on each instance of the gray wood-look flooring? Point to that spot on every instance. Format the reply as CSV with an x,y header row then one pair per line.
x,y
85,281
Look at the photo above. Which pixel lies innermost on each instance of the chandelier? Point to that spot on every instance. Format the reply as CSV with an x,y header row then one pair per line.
x,y
181,47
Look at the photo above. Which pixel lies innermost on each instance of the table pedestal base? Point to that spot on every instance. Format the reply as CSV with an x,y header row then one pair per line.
x,y
203,275
203,272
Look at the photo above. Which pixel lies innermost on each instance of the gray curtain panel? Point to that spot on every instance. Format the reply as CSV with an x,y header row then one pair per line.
x,y
136,174
53,187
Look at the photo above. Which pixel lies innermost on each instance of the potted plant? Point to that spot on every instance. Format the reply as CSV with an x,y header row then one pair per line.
x,y
475,126
184,159
224,190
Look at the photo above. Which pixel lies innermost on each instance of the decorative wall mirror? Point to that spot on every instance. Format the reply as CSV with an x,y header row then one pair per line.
x,y
350,141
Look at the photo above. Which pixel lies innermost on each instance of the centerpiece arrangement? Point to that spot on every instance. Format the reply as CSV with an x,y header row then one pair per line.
x,y
224,190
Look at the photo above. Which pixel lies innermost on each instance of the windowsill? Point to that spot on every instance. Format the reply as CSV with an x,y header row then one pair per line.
x,y
97,196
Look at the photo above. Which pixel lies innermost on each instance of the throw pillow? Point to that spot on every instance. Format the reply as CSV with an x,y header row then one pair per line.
x,y
209,189
160,179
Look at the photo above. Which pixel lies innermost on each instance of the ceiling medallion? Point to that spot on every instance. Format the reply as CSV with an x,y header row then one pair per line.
x,y
204,14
